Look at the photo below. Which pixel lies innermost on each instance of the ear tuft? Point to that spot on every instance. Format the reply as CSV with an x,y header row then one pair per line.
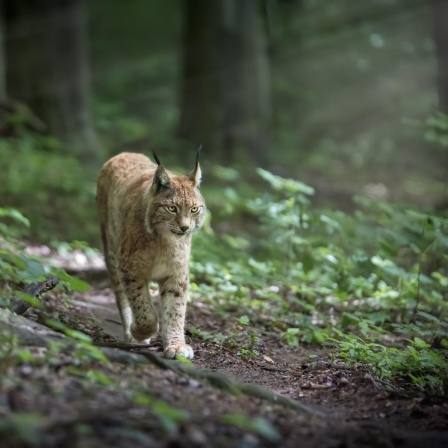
x,y
156,158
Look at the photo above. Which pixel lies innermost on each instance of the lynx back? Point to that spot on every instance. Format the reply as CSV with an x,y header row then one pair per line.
x,y
148,216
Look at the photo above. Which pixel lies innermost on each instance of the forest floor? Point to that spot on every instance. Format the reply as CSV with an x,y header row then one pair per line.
x,y
132,402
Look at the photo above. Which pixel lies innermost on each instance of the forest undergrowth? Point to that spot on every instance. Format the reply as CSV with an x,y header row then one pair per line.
x,y
367,288
371,284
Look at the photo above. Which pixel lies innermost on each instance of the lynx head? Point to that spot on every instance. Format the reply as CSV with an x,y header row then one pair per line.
x,y
176,207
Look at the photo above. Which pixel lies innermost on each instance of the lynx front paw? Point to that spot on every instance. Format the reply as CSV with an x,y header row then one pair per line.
x,y
176,351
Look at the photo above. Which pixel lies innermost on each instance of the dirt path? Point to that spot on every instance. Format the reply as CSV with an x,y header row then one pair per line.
x,y
65,397
90,404
303,374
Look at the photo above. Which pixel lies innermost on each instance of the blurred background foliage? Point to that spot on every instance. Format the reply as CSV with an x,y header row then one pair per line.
x,y
346,96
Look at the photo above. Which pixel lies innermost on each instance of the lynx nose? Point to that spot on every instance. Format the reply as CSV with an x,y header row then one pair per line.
x,y
184,228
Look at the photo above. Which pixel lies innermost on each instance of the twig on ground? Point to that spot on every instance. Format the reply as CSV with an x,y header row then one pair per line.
x,y
314,386
113,321
123,345
36,290
379,384
273,369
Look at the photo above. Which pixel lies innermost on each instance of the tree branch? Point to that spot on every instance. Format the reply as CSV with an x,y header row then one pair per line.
x,y
36,290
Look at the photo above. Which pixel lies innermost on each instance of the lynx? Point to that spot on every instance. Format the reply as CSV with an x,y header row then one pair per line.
x,y
148,216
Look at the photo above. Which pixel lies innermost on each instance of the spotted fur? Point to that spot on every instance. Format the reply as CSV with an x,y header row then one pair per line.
x,y
148,216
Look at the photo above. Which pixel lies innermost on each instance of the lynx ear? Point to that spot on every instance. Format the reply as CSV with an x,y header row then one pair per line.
x,y
161,179
196,174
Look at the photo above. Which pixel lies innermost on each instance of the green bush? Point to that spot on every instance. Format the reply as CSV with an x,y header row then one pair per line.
x,y
42,180
326,277
18,268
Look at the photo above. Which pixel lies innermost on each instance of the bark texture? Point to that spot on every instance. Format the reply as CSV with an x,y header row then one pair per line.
x,y
47,66
440,33
2,56
226,91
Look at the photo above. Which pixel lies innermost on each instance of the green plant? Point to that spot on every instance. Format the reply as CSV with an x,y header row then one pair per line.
x,y
257,425
379,273
290,336
246,353
18,268
168,416
39,178
437,129
416,362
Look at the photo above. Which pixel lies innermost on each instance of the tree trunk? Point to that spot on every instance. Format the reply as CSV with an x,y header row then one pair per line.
x,y
440,33
199,90
226,92
2,57
47,67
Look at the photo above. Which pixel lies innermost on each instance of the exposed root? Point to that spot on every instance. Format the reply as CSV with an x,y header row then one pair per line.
x,y
19,307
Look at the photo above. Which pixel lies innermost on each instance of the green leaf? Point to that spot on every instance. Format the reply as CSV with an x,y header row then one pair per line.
x,y
428,316
29,299
287,185
320,336
15,215
100,378
75,284
257,425
420,343
78,335
93,352
184,360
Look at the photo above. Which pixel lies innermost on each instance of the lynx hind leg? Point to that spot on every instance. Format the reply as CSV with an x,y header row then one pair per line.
x,y
121,299
145,319
125,312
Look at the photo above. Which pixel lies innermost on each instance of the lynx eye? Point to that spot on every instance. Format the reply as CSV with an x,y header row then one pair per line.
x,y
171,208
194,209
